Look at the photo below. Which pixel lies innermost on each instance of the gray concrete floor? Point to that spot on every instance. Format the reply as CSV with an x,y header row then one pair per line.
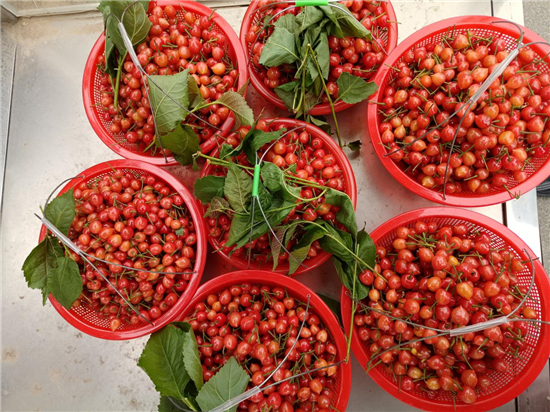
x,y
537,15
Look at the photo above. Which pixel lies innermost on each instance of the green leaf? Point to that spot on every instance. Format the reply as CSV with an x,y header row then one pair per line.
x,y
272,176
136,22
256,139
64,282
168,100
287,21
322,124
170,404
227,151
283,236
61,211
278,211
191,358
308,17
366,249
110,54
241,226
347,276
287,96
230,381
240,229
244,87
311,36
355,145
237,104
337,242
288,87
344,24
346,214
183,142
311,100
322,54
353,89
265,198
208,187
333,305
274,180
217,206
40,263
300,251
162,360
238,188
275,244
279,49
193,93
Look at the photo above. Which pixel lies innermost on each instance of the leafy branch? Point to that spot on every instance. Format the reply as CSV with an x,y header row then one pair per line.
x,y
302,40
49,267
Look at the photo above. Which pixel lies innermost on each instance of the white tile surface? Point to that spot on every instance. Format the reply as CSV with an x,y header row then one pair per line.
x,y
48,365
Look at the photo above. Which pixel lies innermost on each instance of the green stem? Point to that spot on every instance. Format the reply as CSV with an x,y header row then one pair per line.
x,y
117,82
328,96
190,404
303,89
353,308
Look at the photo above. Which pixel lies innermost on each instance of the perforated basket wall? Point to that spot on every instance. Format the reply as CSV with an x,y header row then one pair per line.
x,y
523,369
86,319
254,16
297,291
481,26
350,189
92,94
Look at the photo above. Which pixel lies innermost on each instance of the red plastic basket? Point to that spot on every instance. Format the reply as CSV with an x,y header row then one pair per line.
x,y
524,370
479,25
351,190
92,96
87,320
298,291
252,16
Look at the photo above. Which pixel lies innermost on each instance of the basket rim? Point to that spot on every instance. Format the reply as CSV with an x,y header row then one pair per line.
x,y
531,370
88,88
200,259
299,291
461,22
323,256
323,108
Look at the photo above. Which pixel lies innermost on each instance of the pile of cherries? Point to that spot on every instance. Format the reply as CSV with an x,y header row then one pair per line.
x,y
497,139
443,278
137,223
177,41
258,325
360,57
315,167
